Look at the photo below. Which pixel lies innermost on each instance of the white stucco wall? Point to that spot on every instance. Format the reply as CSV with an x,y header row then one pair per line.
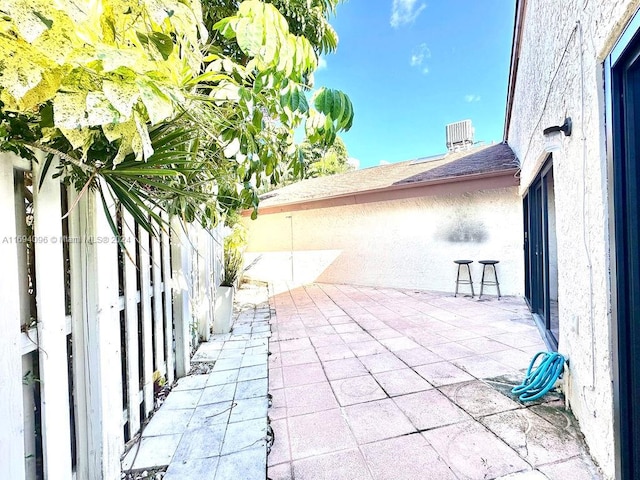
x,y
560,75
401,243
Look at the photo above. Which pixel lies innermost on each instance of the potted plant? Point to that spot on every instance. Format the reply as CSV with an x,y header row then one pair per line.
x,y
234,245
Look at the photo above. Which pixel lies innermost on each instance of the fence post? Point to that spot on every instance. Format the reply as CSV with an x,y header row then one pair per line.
x,y
12,432
102,339
52,337
181,274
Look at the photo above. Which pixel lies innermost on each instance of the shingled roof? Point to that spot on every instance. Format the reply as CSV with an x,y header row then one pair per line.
x,y
496,159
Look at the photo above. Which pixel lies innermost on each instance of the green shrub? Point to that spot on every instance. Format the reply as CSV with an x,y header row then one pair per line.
x,y
235,244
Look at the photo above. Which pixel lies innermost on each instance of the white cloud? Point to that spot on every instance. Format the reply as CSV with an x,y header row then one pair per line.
x,y
354,162
471,98
384,162
404,12
322,63
419,55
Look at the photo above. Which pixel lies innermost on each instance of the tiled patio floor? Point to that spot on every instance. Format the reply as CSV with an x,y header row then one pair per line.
x,y
390,384
366,384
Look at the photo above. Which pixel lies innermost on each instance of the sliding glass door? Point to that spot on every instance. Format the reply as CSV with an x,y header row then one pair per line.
x,y
623,88
541,253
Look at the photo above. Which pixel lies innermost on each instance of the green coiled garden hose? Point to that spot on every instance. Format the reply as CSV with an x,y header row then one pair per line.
x,y
540,380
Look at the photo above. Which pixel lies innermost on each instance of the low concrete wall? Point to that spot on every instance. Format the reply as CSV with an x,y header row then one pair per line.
x,y
407,243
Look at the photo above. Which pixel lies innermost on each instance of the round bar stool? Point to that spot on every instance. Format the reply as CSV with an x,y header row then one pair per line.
x,y
459,281
483,282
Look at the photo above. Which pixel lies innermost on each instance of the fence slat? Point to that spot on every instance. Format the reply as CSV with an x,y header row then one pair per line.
x,y
30,333
104,390
79,345
203,273
131,319
181,268
194,285
145,303
52,326
11,433
156,272
168,311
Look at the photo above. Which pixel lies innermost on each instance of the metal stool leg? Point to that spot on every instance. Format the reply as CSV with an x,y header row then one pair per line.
x,y
460,277
473,294
485,279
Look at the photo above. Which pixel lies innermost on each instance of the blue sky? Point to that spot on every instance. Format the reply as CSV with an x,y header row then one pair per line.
x,y
412,66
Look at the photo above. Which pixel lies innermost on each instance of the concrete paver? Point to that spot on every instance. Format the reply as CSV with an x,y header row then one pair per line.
x,y
401,382
389,421
201,468
282,471
430,409
478,399
310,398
577,467
247,464
350,391
200,442
210,414
152,452
405,458
530,475
168,421
534,438
346,465
390,384
249,409
443,373
473,452
191,382
319,433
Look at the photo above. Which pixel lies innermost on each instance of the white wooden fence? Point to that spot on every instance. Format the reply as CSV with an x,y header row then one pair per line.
x,y
86,327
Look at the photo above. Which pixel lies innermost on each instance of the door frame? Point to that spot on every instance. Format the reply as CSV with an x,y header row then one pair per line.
x,y
537,275
626,419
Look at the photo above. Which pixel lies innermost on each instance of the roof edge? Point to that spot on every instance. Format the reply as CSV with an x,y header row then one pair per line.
x,y
518,27
299,205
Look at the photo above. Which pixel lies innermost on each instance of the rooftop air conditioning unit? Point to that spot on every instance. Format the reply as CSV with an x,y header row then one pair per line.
x,y
459,135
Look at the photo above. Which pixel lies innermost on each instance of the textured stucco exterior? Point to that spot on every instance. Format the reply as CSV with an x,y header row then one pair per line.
x,y
560,74
404,243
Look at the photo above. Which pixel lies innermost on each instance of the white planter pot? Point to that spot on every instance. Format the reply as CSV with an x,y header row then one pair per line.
x,y
223,312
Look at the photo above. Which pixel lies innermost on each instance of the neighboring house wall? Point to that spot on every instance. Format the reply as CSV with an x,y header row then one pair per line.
x,y
559,74
409,243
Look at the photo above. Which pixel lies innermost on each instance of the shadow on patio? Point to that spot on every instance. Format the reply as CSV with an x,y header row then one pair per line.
x,y
373,383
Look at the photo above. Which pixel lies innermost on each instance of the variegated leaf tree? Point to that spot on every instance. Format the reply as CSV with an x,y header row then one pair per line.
x,y
140,101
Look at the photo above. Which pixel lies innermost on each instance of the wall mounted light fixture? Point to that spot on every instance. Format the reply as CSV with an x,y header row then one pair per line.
x,y
565,128
553,137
